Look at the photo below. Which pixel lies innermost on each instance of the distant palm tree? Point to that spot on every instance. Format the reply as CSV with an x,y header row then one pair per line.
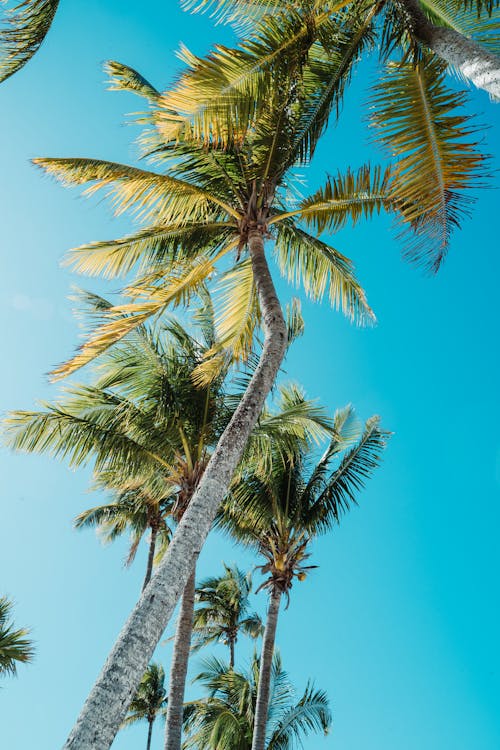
x,y
149,700
279,513
224,719
15,646
223,610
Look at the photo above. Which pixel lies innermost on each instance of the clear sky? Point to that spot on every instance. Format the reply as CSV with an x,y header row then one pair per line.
x,y
400,621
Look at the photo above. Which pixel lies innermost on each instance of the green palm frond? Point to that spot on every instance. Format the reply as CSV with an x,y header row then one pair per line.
x,y
15,646
306,260
25,26
417,121
350,196
124,78
311,714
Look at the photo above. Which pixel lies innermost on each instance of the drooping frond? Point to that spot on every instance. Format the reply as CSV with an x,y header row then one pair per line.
x,y
233,11
184,281
311,714
306,260
25,26
417,121
151,196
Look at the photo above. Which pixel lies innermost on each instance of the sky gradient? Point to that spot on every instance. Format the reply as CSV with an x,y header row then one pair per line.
x,y
400,621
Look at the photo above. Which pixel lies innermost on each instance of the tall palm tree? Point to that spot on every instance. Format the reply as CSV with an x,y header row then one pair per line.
x,y
149,701
222,611
225,193
461,35
15,646
224,719
281,512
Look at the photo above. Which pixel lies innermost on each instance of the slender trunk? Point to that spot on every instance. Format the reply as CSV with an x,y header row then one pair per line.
x,y
151,556
150,734
115,687
231,653
178,668
266,663
476,63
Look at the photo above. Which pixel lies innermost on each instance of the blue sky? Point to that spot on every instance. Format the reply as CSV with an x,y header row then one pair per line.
x,y
400,621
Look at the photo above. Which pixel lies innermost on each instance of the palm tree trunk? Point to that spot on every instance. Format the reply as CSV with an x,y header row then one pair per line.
x,y
266,663
110,697
151,556
150,734
178,669
476,63
231,653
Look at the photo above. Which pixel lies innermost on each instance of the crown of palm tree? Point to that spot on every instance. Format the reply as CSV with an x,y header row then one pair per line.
x,y
279,511
224,719
15,646
223,609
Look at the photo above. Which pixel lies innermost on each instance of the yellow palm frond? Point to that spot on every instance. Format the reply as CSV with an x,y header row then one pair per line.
x,y
416,119
25,27
149,195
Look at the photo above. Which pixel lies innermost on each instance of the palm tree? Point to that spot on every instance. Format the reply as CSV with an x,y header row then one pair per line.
x,y
149,700
463,36
225,190
15,646
223,611
281,512
224,719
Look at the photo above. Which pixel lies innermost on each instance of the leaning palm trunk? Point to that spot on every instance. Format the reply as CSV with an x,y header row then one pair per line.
x,y
477,64
108,701
266,663
178,669
150,734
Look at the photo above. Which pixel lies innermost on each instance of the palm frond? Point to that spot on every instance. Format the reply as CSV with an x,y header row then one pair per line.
x,y
124,78
417,121
306,260
25,26
483,27
15,646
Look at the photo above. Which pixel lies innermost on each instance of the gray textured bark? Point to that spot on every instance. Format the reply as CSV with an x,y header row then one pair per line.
x,y
178,668
151,557
266,663
115,687
477,64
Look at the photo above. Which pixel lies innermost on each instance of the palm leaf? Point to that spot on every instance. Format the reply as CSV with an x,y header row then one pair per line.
x,y
25,27
416,119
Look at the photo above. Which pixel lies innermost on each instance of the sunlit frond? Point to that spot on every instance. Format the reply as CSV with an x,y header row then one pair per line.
x,y
305,260
464,19
22,31
124,78
418,120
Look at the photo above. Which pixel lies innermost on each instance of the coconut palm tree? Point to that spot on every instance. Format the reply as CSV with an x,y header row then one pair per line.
x,y
224,196
149,701
224,719
222,611
15,646
279,514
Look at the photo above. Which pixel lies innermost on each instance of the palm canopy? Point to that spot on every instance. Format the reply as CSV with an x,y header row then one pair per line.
x,y
222,610
279,512
216,184
224,719
415,116
15,646
150,698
